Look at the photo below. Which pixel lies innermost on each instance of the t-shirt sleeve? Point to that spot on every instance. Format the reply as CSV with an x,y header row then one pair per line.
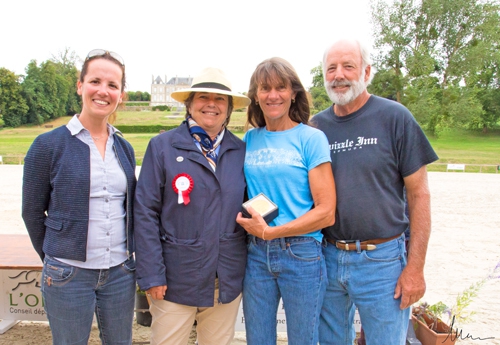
x,y
416,150
316,150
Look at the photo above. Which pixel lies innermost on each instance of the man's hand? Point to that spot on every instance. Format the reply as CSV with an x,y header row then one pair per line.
x,y
410,287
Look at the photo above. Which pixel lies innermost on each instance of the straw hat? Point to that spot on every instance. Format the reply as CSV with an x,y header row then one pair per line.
x,y
212,80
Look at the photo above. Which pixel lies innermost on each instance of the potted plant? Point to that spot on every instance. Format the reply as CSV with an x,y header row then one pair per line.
x,y
437,323
429,328
142,314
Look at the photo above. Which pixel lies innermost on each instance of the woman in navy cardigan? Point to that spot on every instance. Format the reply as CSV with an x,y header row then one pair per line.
x,y
78,187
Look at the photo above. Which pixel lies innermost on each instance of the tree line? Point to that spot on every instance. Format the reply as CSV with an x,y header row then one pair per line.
x,y
440,58
138,96
47,91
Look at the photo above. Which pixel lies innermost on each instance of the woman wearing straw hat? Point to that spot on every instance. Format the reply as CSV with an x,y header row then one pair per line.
x,y
190,251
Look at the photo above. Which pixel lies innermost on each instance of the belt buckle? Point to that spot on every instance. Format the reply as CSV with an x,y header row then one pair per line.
x,y
343,243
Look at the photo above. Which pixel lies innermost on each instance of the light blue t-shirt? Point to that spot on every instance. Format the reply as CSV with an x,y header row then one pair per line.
x,y
277,164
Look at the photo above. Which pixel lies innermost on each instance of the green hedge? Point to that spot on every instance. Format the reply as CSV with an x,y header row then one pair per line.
x,y
161,108
144,128
137,104
236,128
158,128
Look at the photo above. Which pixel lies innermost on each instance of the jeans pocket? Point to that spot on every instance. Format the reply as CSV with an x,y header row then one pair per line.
x,y
305,250
250,243
128,265
57,273
389,251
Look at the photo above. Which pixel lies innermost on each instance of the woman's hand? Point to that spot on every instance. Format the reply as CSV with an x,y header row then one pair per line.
x,y
322,187
256,225
157,292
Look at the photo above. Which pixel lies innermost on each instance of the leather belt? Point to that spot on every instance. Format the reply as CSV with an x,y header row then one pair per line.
x,y
363,245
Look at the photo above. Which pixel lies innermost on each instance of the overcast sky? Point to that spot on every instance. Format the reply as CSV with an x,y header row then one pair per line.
x,y
180,38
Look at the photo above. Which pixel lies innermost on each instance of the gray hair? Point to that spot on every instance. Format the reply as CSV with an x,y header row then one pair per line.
x,y
365,56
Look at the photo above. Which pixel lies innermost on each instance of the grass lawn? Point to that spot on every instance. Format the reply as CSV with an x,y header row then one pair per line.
x,y
15,142
452,146
470,148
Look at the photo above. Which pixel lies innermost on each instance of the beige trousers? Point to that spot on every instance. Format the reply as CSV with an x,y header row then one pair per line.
x,y
172,322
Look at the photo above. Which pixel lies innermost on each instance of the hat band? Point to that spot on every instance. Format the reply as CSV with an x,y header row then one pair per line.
x,y
211,86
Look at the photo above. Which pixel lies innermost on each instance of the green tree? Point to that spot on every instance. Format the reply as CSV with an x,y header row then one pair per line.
x,y
138,96
65,64
486,74
394,32
435,53
13,107
320,99
131,96
34,93
45,93
317,74
63,89
55,97
384,84
490,99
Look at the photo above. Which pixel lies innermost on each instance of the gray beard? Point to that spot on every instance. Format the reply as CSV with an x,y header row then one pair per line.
x,y
356,89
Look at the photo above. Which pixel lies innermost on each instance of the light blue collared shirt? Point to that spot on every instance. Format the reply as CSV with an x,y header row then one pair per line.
x,y
106,242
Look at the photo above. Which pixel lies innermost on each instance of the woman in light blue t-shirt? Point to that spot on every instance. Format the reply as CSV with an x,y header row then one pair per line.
x,y
289,162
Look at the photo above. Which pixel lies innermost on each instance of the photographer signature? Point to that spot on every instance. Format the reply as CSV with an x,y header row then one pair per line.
x,y
458,334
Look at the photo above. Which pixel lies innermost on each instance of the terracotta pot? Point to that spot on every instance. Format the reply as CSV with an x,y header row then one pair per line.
x,y
429,337
142,314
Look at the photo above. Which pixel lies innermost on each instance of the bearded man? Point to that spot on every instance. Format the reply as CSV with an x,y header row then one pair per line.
x,y
377,148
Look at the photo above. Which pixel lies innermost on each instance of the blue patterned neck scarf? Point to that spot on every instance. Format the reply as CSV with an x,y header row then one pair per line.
x,y
208,146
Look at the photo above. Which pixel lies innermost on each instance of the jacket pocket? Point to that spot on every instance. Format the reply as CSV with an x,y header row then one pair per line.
x,y
232,263
53,224
183,268
238,233
179,241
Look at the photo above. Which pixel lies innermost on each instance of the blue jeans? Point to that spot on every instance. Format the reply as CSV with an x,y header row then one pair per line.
x,y
72,295
366,279
290,268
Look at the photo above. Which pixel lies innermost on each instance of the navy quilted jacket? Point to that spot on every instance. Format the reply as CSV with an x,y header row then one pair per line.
x,y
56,188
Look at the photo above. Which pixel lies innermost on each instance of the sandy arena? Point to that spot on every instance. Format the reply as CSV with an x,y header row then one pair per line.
x,y
463,249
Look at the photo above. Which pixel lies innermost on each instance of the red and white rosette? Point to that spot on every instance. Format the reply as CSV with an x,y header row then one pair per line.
x,y
183,185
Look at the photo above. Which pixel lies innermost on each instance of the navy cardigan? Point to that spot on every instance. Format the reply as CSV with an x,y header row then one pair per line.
x,y
56,189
